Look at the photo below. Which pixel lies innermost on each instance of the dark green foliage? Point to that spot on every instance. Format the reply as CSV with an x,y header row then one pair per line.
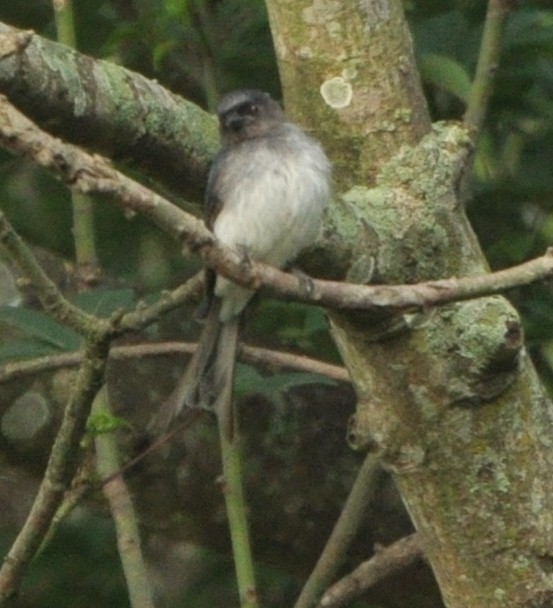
x,y
36,328
98,581
35,333
198,48
294,325
249,380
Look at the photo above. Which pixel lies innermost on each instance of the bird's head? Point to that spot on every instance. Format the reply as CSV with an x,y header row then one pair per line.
x,y
247,114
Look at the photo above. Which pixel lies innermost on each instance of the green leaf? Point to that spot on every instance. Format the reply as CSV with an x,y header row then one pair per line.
x,y
41,327
103,421
104,302
445,73
249,380
529,28
18,350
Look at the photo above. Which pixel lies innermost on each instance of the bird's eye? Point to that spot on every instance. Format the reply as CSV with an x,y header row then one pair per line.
x,y
248,109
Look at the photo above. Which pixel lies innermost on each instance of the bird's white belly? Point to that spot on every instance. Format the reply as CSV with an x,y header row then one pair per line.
x,y
270,214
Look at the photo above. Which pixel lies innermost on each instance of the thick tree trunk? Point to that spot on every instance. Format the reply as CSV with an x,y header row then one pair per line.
x,y
346,71
448,396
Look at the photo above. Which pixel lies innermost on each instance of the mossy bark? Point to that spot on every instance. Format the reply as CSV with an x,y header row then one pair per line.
x,y
346,73
448,396
109,109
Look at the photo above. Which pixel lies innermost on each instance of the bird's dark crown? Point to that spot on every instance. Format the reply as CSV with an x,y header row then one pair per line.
x,y
247,113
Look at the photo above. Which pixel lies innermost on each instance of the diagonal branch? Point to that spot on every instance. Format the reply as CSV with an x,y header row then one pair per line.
x,y
50,296
94,174
343,534
384,563
108,108
59,471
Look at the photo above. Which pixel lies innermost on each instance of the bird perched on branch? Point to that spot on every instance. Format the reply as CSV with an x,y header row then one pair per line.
x,y
266,194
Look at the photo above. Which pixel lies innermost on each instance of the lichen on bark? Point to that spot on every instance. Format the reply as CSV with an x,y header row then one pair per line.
x,y
448,396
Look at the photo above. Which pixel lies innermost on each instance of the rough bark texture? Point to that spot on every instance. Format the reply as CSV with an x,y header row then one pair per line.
x,y
108,109
330,58
449,397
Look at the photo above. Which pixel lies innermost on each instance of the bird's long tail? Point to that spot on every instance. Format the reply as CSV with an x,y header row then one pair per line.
x,y
223,376
208,380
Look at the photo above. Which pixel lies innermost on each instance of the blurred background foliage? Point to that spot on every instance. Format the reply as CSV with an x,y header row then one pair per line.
x,y
202,48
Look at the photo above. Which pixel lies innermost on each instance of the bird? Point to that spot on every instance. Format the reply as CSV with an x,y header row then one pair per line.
x,y
266,193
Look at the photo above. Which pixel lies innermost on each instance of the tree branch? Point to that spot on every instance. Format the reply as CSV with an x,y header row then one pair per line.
x,y
87,269
384,563
488,61
59,471
83,323
50,296
62,461
123,512
80,488
343,534
94,174
250,354
108,109
237,512
143,315
418,391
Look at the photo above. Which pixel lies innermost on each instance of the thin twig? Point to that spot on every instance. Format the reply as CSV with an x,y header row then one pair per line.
x,y
144,315
299,363
123,512
87,270
343,534
488,61
65,23
384,563
94,174
250,354
59,471
237,515
83,323
189,417
71,499
50,296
